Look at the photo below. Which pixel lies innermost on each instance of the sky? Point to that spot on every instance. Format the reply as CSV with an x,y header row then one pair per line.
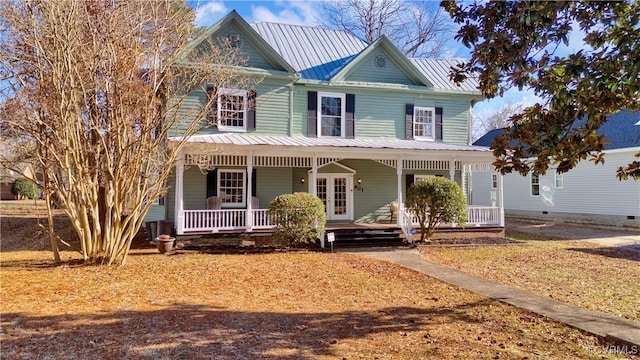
x,y
305,12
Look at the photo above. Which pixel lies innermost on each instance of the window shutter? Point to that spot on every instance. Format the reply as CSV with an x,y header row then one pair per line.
x,y
408,122
212,111
253,182
212,183
350,116
312,114
251,110
408,181
439,123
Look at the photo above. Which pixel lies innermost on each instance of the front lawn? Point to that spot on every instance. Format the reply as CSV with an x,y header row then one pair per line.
x,y
579,273
298,305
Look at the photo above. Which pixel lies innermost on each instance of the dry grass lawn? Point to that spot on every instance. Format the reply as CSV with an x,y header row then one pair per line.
x,y
580,273
297,305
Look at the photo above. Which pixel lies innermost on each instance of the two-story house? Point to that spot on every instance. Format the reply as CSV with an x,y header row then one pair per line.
x,y
351,122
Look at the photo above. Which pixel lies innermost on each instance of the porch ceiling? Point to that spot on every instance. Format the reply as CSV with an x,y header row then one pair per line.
x,y
328,143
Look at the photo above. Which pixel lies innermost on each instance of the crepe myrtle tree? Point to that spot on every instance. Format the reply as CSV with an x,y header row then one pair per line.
x,y
516,44
436,200
95,88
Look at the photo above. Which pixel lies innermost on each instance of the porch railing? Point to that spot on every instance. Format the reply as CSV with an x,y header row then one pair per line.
x,y
483,215
236,219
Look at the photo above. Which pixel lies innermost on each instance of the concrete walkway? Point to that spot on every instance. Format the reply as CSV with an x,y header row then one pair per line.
x,y
606,325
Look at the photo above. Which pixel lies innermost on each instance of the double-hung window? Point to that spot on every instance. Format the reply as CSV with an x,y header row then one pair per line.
x,y
494,181
331,114
424,123
231,187
535,184
232,109
559,177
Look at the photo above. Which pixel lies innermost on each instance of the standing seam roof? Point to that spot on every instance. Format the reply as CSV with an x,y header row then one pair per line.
x,y
318,54
314,52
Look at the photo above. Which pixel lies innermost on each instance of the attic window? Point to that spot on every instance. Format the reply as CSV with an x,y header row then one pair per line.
x,y
380,62
234,40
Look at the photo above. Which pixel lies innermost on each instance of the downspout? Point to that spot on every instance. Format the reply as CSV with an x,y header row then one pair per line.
x,y
291,86
470,127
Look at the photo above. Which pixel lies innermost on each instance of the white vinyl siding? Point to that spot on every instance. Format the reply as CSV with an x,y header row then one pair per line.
x,y
588,189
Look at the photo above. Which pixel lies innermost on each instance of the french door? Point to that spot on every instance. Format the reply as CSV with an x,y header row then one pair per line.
x,y
336,192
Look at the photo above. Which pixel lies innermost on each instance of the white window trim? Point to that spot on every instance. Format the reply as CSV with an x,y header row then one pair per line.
x,y
227,91
343,113
494,181
244,188
433,123
558,176
531,185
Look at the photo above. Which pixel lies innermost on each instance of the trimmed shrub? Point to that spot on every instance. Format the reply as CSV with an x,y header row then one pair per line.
x,y
434,201
299,218
25,188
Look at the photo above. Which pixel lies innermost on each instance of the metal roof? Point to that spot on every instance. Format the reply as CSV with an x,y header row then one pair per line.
x,y
319,54
315,53
437,71
247,140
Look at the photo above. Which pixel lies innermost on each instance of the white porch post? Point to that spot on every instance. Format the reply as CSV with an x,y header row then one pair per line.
x,y
501,198
314,173
452,169
399,176
463,182
249,212
179,205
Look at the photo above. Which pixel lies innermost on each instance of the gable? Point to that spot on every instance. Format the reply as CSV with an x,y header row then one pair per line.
x,y
378,67
254,48
381,62
248,47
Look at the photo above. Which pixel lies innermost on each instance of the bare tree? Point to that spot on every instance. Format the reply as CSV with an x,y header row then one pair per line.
x,y
96,87
499,119
417,28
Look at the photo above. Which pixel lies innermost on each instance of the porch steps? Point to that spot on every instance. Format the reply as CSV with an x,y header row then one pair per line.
x,y
350,237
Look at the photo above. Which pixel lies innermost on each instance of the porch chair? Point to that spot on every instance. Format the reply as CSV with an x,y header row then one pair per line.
x,y
255,203
393,209
214,203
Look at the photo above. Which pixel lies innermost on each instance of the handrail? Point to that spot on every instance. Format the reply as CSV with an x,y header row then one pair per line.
x,y
236,219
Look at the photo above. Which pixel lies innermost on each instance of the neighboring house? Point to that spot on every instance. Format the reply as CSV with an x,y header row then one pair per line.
x,y
9,176
589,194
351,122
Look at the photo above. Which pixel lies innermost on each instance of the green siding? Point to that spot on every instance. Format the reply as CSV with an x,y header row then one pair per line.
x,y
156,213
382,115
247,47
271,182
367,71
379,189
272,110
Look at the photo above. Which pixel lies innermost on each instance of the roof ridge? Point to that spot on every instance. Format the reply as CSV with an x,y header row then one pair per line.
x,y
309,26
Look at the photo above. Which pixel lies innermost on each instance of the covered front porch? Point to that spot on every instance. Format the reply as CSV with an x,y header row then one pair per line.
x,y
359,182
